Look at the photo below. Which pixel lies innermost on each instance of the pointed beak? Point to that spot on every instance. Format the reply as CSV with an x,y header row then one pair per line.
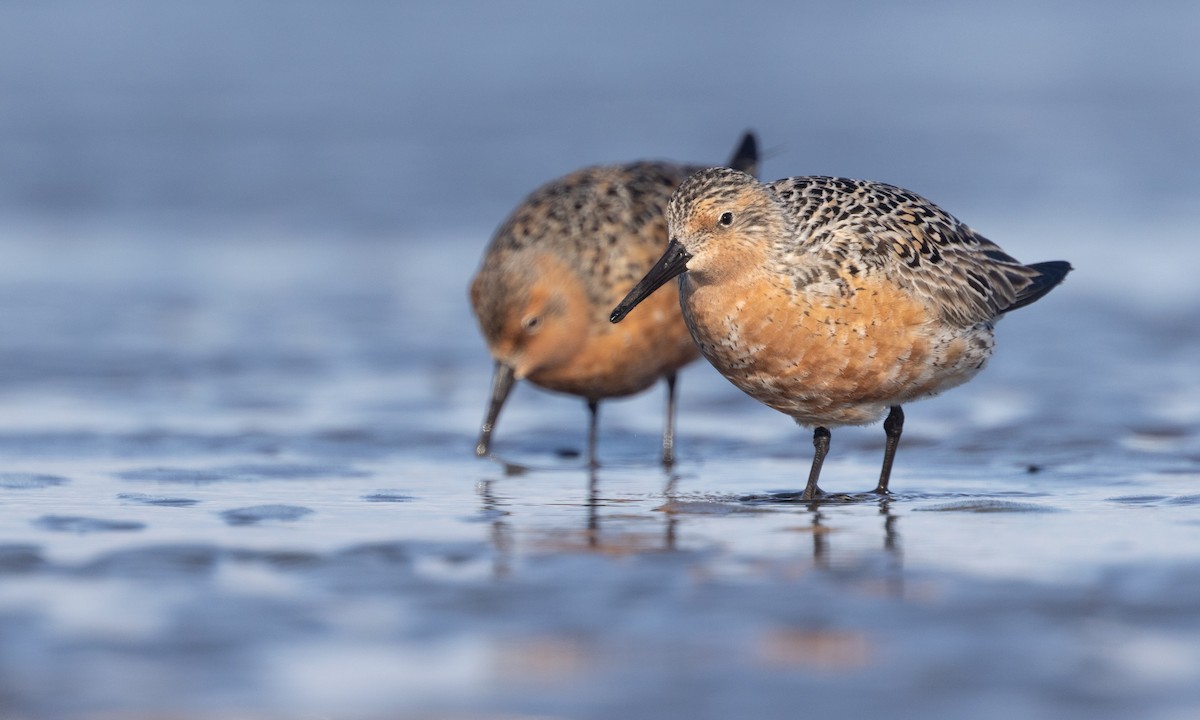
x,y
672,263
502,384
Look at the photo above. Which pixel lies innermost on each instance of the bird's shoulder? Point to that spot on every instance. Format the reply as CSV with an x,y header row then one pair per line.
x,y
593,205
606,222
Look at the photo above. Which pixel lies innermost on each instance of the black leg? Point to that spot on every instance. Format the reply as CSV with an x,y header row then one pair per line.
x,y
668,453
893,426
593,421
821,448
593,509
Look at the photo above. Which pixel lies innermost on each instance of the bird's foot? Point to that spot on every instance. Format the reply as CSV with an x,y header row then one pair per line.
x,y
812,493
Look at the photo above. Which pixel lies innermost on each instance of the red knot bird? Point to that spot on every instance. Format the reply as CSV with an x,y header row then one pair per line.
x,y
555,268
835,300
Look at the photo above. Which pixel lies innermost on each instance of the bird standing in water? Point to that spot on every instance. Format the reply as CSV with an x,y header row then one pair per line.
x,y
835,300
553,271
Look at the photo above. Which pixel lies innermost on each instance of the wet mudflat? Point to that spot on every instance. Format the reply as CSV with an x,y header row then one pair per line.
x,y
233,493
240,385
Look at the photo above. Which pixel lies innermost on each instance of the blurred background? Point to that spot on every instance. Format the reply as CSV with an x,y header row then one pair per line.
x,y
422,121
285,181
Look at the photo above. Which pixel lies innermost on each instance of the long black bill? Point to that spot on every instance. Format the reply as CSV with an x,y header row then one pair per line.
x,y
673,262
502,385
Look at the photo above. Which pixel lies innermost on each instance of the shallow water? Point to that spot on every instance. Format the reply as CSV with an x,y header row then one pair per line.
x,y
240,385
254,492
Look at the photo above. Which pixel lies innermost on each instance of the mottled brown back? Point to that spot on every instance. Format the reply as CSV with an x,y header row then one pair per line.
x,y
847,228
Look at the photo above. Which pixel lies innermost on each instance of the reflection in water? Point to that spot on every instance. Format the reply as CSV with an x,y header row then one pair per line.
x,y
823,555
627,542
500,534
891,538
892,550
618,534
669,493
595,536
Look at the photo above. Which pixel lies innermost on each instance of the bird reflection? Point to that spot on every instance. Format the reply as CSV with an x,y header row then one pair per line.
x,y
606,532
607,536
500,533
822,553
618,540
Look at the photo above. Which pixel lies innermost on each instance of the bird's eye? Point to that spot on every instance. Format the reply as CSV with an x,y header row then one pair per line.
x,y
726,219
531,323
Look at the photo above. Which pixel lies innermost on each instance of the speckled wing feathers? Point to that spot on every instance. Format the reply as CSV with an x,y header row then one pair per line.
x,y
606,219
846,228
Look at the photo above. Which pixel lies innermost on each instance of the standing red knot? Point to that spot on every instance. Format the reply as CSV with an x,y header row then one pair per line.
x,y
554,269
833,300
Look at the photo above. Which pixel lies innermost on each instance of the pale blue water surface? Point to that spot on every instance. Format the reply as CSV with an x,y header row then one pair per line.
x,y
240,383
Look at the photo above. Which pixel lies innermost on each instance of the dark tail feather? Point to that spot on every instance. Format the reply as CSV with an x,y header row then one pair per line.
x,y
745,158
1049,275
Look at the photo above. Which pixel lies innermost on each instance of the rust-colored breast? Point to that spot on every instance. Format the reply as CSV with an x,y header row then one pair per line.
x,y
629,357
828,359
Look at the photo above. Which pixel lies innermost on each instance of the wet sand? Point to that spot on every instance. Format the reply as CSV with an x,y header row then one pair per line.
x,y
227,491
240,385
